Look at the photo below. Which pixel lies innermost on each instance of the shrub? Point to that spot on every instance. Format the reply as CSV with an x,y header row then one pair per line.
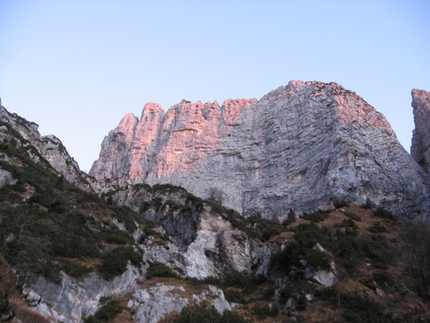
x,y
202,313
368,205
115,236
290,219
341,203
268,293
382,213
234,296
75,270
378,250
208,280
106,313
160,270
127,216
352,216
417,238
377,227
4,302
114,262
347,251
305,238
264,311
73,246
316,216
317,259
383,279
285,294
355,307
350,227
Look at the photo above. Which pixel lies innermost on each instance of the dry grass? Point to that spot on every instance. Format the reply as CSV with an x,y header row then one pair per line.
x,y
26,314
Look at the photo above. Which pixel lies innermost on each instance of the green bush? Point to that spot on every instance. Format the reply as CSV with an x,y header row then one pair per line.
x,y
106,313
378,250
347,251
305,238
205,281
316,216
355,307
350,227
126,216
269,293
4,302
382,213
352,216
234,296
285,294
341,203
383,279
73,246
377,227
290,219
115,236
74,269
160,270
114,262
368,205
264,311
204,314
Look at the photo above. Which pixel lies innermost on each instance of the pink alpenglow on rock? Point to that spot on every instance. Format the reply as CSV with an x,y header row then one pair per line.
x,y
298,148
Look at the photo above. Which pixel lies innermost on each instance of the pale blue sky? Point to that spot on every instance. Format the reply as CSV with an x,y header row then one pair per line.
x,y
77,67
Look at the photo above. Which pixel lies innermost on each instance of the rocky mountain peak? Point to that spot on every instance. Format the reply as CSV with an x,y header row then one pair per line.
x,y
420,149
297,149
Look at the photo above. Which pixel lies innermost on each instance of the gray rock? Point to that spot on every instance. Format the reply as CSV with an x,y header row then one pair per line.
x,y
219,301
152,304
324,277
49,148
204,244
298,148
6,178
420,149
71,301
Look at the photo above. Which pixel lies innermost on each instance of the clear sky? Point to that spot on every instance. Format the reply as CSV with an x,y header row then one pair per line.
x,y
77,67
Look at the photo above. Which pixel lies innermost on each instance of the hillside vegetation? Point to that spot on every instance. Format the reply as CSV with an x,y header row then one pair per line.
x,y
354,263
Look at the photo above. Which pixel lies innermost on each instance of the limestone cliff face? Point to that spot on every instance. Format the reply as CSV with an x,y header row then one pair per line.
x,y
298,148
420,149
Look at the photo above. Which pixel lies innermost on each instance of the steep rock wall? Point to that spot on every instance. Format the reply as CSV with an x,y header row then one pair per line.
x,y
299,148
420,149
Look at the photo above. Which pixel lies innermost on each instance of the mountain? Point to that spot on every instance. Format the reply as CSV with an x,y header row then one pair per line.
x,y
75,248
300,148
420,149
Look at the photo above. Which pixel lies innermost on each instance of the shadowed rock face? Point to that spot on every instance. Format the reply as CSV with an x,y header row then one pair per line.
x,y
298,148
420,149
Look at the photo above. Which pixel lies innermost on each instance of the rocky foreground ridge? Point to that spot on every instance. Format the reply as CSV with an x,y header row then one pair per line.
x,y
298,149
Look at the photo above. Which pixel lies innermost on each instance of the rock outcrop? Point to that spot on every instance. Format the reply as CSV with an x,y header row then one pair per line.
x,y
299,148
45,148
71,301
420,149
203,243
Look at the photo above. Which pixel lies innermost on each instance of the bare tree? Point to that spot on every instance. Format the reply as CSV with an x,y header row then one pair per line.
x,y
417,245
